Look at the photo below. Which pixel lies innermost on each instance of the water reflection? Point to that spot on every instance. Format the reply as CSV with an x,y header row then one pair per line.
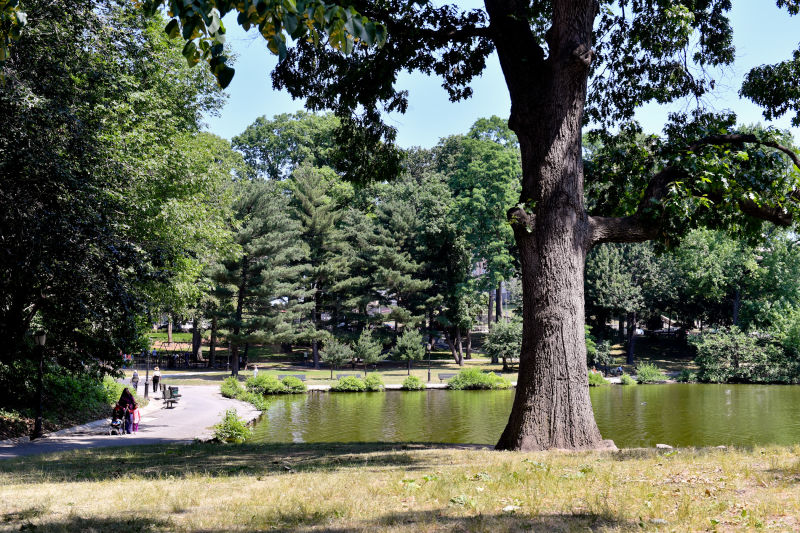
x,y
680,415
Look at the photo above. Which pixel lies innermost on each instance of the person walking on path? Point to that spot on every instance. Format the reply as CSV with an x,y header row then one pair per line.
x,y
128,405
135,380
156,379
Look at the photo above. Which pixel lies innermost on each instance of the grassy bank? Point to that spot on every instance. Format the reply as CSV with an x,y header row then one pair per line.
x,y
390,373
371,487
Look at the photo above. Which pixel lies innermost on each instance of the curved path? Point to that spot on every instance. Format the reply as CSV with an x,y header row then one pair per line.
x,y
199,408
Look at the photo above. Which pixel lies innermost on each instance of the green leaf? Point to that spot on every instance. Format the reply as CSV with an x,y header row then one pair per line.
x,y
172,30
225,75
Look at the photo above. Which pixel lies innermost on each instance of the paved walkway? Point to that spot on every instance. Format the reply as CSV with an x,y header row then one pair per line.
x,y
199,408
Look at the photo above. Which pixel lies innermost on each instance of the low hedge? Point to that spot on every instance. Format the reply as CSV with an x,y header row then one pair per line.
x,y
597,380
373,383
349,384
413,383
474,379
293,385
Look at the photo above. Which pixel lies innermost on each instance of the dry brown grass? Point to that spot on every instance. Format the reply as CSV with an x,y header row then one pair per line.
x,y
383,487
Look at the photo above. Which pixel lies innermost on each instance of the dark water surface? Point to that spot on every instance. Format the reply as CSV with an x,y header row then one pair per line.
x,y
643,415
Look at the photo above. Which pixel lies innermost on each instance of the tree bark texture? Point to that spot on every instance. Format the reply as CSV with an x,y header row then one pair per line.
x,y
552,408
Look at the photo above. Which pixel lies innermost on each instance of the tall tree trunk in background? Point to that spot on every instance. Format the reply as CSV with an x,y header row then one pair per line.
x,y
196,338
169,330
212,345
451,342
315,320
631,338
552,408
459,346
621,328
737,304
468,353
237,325
244,355
490,314
498,301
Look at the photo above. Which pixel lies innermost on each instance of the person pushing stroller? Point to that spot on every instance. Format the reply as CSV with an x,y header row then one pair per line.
x,y
126,406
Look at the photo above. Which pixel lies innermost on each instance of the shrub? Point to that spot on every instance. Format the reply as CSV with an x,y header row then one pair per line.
x,y
257,400
474,379
373,383
349,384
596,379
231,388
731,355
232,428
293,385
626,379
686,376
265,384
412,383
649,373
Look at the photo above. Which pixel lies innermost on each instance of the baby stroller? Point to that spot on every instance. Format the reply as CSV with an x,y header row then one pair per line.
x,y
117,421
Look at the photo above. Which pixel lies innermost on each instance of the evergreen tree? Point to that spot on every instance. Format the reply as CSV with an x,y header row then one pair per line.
x,y
318,218
263,280
409,347
367,349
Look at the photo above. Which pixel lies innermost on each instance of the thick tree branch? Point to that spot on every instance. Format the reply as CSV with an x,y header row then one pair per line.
x,y
643,225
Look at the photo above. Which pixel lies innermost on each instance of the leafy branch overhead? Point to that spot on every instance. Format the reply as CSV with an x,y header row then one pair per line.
x,y
199,23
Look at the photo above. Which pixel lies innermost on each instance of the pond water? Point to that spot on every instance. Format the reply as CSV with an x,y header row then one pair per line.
x,y
643,415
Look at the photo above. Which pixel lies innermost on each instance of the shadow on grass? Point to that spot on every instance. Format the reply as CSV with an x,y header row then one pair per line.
x,y
442,519
176,460
448,519
125,523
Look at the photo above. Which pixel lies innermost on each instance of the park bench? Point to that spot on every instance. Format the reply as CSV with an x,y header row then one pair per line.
x,y
171,396
340,376
301,377
443,377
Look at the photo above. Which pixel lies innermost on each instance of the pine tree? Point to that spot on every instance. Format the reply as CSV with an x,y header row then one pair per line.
x,y
318,217
263,281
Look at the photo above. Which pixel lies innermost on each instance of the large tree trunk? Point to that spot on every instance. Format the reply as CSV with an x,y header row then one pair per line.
x,y
552,408
169,330
468,353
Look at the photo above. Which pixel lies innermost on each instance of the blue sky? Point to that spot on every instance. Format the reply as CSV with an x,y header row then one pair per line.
x,y
762,34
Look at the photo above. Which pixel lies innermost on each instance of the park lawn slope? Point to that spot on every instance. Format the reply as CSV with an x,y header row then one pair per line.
x,y
395,487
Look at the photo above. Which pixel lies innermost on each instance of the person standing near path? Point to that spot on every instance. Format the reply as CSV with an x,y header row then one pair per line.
x,y
156,379
135,380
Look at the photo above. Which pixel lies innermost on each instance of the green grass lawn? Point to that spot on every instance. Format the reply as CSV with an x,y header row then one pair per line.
x,y
399,488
